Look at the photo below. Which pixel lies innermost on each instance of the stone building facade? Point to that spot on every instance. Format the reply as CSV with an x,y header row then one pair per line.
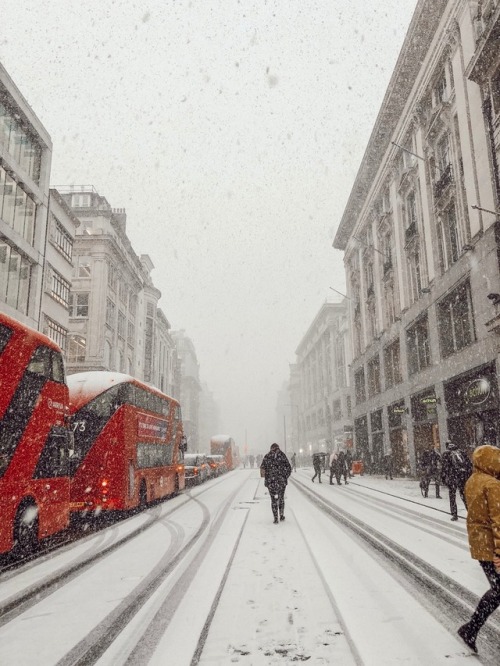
x,y
58,270
25,162
115,323
420,234
320,400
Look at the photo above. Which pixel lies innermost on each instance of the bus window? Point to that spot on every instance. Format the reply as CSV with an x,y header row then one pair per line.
x,y
57,373
40,363
54,458
17,417
5,333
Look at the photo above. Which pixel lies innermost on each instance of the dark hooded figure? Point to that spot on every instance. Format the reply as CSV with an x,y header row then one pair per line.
x,y
455,470
275,468
317,465
482,492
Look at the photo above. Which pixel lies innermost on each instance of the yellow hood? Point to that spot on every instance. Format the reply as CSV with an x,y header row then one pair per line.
x,y
487,459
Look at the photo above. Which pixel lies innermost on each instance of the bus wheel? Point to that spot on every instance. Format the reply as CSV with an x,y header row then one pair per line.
x,y
143,495
26,528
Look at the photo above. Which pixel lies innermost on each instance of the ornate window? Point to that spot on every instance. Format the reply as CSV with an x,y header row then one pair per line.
x,y
418,345
456,320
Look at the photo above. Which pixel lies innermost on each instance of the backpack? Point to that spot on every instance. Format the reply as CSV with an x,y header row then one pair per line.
x,y
460,463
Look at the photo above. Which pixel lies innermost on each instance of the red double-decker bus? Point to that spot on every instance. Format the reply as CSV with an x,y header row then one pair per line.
x,y
128,443
224,445
34,437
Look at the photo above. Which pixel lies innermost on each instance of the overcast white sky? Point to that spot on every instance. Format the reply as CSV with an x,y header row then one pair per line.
x,y
231,131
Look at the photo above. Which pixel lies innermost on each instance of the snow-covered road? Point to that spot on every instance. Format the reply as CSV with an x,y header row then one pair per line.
x,y
212,580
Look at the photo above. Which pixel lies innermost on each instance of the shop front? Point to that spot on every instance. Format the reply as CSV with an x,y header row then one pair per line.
x,y
377,440
471,401
362,446
398,437
425,422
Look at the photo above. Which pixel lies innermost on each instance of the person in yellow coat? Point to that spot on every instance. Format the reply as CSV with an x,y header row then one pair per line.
x,y
482,492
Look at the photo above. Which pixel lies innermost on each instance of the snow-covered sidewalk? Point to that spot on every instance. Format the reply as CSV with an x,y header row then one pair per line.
x,y
405,487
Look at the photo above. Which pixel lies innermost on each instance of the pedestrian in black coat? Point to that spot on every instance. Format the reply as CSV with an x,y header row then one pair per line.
x,y
317,466
430,467
276,468
456,468
348,462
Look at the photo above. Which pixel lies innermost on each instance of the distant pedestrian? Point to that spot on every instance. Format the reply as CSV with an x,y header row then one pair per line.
x,y
317,465
455,470
430,470
482,492
339,468
333,466
275,468
388,466
293,462
251,460
348,462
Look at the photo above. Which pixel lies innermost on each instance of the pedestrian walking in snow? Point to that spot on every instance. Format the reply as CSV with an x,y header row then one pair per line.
x,y
333,466
342,466
455,470
317,464
293,462
482,492
338,467
348,462
276,468
430,470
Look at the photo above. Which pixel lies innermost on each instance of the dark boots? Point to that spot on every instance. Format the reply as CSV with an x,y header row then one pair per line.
x,y
468,635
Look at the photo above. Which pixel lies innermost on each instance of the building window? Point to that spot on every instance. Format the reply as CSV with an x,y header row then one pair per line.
x,y
59,288
390,304
84,267
17,209
62,239
414,275
130,333
374,376
418,346
441,89
121,324
337,410
359,386
15,278
112,277
110,313
371,318
56,333
448,237
81,201
340,370
18,143
456,320
79,305
76,349
410,216
132,303
123,290
349,406
392,365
